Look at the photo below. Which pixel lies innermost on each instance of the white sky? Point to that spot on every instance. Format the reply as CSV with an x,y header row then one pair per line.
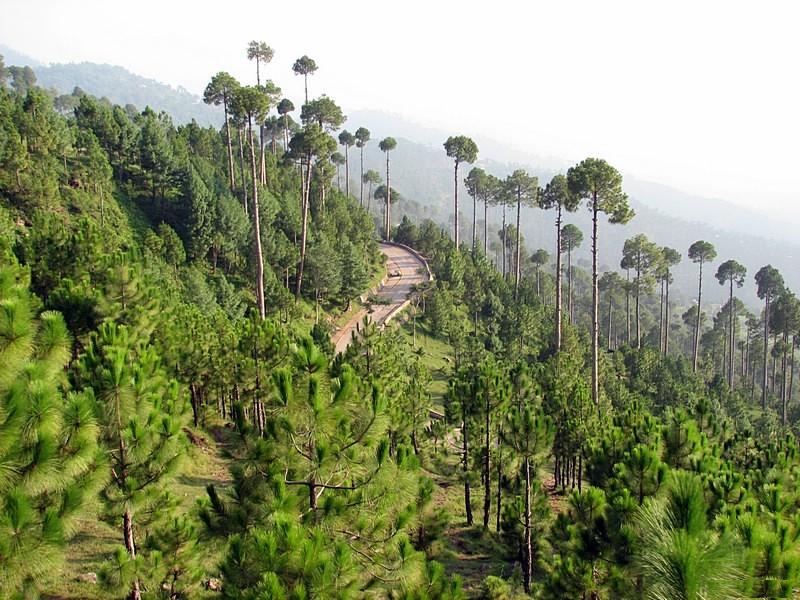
x,y
703,95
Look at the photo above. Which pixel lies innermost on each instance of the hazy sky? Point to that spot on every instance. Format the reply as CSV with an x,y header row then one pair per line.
x,y
703,95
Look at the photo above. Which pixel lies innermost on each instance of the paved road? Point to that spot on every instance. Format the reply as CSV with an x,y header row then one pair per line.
x,y
395,291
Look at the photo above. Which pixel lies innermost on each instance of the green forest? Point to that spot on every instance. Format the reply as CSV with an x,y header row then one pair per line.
x,y
175,421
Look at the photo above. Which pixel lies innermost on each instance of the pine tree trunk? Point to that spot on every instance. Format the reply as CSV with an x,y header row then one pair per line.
x,y
638,312
486,227
528,545
347,170
774,362
504,240
361,181
666,326
306,192
559,299
628,306
258,408
610,315
228,143
661,318
766,350
127,517
262,167
517,260
731,344
569,283
487,484
312,495
388,201
574,473
697,320
194,402
499,481
465,466
558,475
241,168
257,226
130,546
745,355
474,220
455,205
791,368
723,356
595,298
783,378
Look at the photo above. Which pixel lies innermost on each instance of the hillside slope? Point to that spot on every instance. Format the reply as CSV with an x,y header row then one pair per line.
x,y
120,86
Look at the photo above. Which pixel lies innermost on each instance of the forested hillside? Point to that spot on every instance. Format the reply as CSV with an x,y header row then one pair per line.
x,y
423,177
548,419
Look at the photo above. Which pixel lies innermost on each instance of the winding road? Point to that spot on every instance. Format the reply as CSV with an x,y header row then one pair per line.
x,y
393,292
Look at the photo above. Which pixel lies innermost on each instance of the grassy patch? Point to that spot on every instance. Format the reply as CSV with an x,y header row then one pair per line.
x,y
96,540
467,551
340,320
438,356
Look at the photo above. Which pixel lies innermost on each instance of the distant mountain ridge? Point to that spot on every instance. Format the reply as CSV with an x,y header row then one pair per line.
x,y
120,86
12,57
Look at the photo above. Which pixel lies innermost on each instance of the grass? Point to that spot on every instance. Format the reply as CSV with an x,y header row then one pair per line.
x,y
378,274
467,551
437,355
96,540
340,320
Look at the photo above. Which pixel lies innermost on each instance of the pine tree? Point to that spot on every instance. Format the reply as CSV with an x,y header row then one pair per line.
x,y
155,155
770,285
556,195
49,457
220,91
679,556
335,494
700,252
530,434
141,413
523,190
601,185
362,136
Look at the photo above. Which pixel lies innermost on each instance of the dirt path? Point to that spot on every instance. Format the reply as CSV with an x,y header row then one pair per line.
x,y
392,294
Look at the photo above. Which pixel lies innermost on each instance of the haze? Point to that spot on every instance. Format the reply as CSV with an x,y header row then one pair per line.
x,y
702,96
